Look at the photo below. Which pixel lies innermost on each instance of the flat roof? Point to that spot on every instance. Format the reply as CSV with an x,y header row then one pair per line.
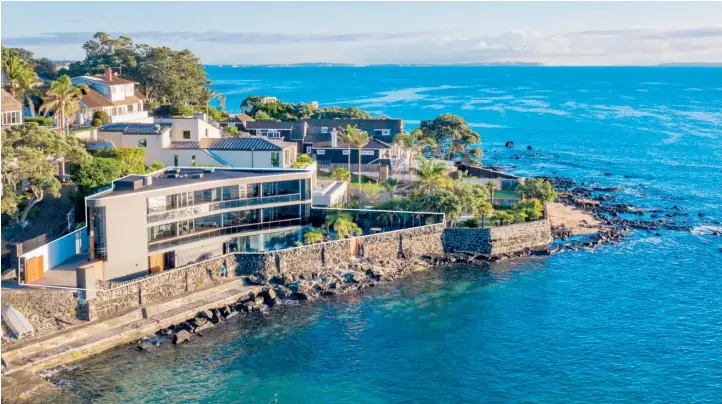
x,y
136,128
189,176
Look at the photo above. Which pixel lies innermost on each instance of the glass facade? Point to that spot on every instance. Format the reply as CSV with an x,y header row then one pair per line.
x,y
99,232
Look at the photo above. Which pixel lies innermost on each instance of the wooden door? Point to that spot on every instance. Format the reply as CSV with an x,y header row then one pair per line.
x,y
155,263
353,243
34,269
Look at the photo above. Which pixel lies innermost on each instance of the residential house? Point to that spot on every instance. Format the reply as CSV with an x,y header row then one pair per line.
x,y
173,217
118,97
12,110
192,141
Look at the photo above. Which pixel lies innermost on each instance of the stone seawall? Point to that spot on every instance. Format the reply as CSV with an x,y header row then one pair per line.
x,y
498,240
48,310
289,265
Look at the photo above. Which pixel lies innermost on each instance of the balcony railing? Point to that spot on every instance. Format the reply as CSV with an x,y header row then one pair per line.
x,y
204,235
191,211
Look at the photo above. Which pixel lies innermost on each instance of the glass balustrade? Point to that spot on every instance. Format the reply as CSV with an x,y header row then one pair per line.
x,y
213,206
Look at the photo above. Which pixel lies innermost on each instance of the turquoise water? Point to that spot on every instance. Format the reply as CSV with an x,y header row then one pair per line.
x,y
636,322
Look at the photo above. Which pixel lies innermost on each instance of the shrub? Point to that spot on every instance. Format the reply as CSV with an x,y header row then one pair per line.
x,y
313,235
96,123
40,120
183,110
456,175
303,161
341,174
472,222
232,130
102,116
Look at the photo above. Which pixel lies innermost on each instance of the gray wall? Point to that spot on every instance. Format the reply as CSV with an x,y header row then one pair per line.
x,y
498,240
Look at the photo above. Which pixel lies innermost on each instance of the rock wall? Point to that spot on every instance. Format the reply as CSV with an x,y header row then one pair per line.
x,y
48,310
116,297
498,240
286,266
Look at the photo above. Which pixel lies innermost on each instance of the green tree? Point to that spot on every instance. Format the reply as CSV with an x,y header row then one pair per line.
x,y
414,144
453,137
484,209
263,116
21,76
533,208
538,188
45,68
313,235
503,217
431,174
131,159
155,166
232,130
391,184
344,226
491,185
62,98
172,77
221,102
443,200
29,170
97,173
347,135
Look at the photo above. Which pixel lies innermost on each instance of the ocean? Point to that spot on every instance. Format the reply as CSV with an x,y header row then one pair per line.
x,y
636,322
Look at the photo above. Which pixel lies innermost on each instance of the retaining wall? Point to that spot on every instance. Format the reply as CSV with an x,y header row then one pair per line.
x,y
498,240
113,298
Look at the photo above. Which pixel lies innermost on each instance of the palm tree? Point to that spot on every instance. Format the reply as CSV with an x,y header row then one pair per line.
x,y
342,224
347,135
205,96
432,174
62,98
22,77
221,102
413,144
491,185
360,139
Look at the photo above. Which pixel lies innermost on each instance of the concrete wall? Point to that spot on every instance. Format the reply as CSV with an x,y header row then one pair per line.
x,y
42,307
126,236
60,250
498,240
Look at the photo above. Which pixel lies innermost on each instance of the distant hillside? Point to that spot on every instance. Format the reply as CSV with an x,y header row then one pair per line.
x,y
692,64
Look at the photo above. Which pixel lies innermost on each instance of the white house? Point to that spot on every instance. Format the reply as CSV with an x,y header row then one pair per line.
x,y
118,97
189,141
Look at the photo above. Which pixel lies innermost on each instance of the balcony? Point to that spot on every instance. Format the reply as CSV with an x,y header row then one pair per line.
x,y
129,117
204,235
192,211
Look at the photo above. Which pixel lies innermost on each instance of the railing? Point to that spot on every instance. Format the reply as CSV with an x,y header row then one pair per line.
x,y
213,206
190,238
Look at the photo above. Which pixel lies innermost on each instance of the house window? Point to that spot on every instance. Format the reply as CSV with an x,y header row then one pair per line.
x,y
186,134
345,152
11,118
206,132
367,152
143,142
308,149
130,108
324,129
275,159
382,132
320,151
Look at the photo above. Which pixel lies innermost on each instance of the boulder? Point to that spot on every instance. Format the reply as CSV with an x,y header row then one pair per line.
x,y
271,294
181,337
509,144
529,148
231,315
203,326
144,345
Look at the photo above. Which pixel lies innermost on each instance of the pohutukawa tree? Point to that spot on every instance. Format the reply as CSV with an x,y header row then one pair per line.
x,y
454,138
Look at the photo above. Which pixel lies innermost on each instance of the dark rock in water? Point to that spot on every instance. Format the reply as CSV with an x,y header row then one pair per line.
x,y
509,144
144,345
529,148
627,176
516,157
607,174
700,214
181,337
253,280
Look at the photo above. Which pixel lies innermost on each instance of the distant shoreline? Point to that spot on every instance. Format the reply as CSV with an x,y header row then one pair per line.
x,y
322,65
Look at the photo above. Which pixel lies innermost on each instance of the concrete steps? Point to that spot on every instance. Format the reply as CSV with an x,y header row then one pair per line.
x,y
78,343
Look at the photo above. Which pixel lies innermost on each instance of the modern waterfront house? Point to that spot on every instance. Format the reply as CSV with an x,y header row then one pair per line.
x,y
193,141
12,110
118,97
178,216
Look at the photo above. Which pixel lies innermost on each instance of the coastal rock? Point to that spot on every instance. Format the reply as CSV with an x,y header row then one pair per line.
x,y
509,144
529,148
144,345
181,337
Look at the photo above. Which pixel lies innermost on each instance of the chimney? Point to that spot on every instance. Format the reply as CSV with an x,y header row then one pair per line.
x,y
108,76
333,137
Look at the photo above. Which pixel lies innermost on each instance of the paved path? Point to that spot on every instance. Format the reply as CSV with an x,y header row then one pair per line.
x,y
79,342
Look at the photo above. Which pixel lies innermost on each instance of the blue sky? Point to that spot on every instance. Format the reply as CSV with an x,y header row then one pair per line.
x,y
596,33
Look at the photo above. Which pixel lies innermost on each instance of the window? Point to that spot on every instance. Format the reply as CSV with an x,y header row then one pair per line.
x,y
143,142
230,192
367,152
130,107
345,152
275,159
240,218
206,132
280,188
320,151
162,231
207,195
382,132
186,134
324,129
99,232
208,222
175,160
12,118
308,149
253,191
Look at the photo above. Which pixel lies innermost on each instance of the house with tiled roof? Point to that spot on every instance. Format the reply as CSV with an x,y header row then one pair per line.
x,y
12,110
118,97
188,141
